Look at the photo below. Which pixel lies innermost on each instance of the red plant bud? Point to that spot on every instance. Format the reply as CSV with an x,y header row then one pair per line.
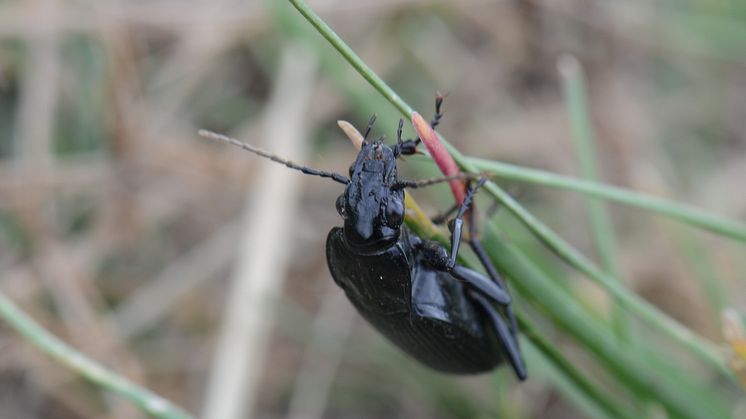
x,y
439,153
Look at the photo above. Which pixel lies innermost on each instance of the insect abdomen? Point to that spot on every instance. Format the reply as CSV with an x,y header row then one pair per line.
x,y
437,344
450,339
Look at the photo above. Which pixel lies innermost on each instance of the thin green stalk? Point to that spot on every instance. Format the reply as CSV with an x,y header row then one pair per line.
x,y
351,57
631,301
702,265
686,213
362,103
563,385
148,401
576,99
570,372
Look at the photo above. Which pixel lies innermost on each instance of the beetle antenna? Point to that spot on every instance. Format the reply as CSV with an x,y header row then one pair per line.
x,y
258,151
438,110
427,182
371,121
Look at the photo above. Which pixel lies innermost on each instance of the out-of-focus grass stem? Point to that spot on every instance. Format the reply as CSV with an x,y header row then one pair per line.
x,y
153,404
576,99
688,214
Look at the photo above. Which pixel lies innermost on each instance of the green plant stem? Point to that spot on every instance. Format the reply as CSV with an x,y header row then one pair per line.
x,y
703,267
570,372
688,214
148,401
576,99
563,386
351,57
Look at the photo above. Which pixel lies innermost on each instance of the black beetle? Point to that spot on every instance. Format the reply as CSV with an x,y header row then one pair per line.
x,y
449,317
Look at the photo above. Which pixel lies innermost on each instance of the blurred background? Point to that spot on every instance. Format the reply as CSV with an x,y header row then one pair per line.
x,y
197,269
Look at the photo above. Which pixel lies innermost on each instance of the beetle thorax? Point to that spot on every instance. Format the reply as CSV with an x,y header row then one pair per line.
x,y
371,205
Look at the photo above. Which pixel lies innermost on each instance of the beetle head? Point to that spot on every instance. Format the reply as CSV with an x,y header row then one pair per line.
x,y
372,208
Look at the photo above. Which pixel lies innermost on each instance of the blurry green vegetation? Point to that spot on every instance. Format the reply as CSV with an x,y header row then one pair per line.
x,y
14,233
80,126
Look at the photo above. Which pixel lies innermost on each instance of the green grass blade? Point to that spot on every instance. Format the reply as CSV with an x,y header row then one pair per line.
x,y
576,99
567,389
703,268
580,389
351,57
148,401
363,104
686,213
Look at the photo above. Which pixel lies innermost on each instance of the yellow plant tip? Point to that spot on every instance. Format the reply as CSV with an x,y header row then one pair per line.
x,y
416,215
735,336
414,211
352,133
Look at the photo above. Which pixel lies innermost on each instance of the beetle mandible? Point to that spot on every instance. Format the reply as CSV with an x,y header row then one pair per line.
x,y
447,316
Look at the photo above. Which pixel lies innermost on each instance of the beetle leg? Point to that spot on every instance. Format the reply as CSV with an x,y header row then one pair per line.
x,y
409,147
476,246
437,258
513,191
481,287
481,283
371,121
438,113
507,338
413,184
443,217
458,222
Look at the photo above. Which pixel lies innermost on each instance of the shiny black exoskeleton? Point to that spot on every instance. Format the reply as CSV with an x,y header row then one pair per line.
x,y
448,317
